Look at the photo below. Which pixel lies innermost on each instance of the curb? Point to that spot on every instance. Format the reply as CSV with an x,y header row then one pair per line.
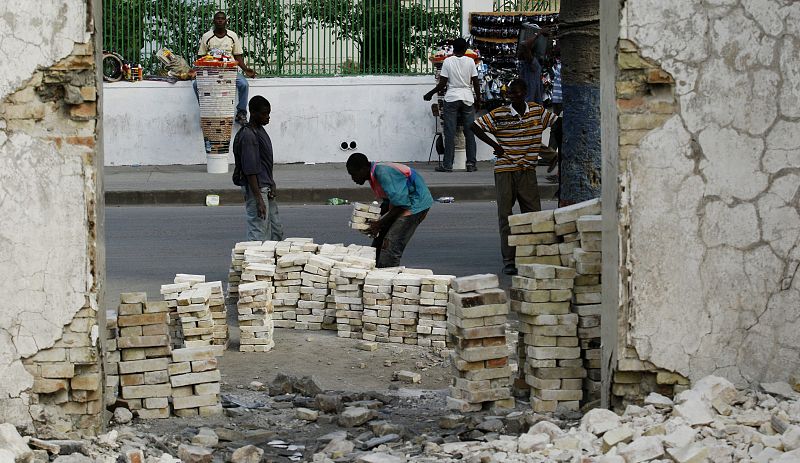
x,y
295,195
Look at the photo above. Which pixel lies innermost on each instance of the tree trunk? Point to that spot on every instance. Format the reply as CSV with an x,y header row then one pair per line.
x,y
579,41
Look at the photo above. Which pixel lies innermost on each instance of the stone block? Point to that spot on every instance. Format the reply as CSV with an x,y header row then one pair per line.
x,y
133,298
194,401
146,391
144,319
475,282
195,378
141,366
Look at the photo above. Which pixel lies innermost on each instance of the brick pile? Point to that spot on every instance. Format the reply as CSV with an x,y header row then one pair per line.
x,y
432,322
476,321
405,308
363,214
587,299
566,219
254,309
313,294
353,255
170,295
377,300
195,382
216,304
346,284
287,281
541,294
144,352
235,272
111,358
533,235
194,314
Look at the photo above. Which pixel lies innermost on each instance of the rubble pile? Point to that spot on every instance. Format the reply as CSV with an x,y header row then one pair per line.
x,y
362,214
476,320
195,382
254,309
432,322
144,355
553,368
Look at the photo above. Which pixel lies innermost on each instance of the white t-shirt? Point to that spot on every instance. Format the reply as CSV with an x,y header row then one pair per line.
x,y
230,43
459,72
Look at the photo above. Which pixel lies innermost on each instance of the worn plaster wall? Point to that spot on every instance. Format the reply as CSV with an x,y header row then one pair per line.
x,y
708,169
49,244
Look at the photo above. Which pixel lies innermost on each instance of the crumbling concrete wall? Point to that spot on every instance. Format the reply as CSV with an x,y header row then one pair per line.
x,y
706,190
50,245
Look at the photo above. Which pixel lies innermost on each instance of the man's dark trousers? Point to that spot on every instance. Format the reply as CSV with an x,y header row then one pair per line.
x,y
518,185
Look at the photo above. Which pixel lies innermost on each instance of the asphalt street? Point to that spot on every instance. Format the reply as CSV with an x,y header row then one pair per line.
x,y
147,246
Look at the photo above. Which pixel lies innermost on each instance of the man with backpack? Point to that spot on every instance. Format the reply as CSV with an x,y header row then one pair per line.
x,y
405,203
252,151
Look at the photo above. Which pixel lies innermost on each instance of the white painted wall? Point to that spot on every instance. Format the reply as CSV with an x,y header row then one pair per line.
x,y
156,123
714,223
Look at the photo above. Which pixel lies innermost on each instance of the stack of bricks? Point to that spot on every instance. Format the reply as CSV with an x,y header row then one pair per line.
x,y
195,382
477,312
346,284
406,288
587,300
377,300
534,237
144,350
111,358
287,282
541,294
235,272
314,292
566,219
194,314
170,295
216,304
254,310
432,322
363,214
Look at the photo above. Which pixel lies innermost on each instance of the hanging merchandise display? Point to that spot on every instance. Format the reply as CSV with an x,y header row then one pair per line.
x,y
498,36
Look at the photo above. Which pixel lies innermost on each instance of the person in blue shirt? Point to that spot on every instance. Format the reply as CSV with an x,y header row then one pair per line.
x,y
405,201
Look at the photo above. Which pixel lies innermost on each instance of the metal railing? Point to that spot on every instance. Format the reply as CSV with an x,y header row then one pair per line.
x,y
290,37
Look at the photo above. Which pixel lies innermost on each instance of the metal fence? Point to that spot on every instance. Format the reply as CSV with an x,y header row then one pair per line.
x,y
290,37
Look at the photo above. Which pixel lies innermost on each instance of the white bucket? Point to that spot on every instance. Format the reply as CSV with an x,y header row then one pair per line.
x,y
217,163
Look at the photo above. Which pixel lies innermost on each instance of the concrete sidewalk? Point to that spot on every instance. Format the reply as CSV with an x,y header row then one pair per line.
x,y
297,183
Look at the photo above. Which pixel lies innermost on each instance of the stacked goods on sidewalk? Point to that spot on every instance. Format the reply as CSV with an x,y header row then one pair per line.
x,y
170,293
194,315
314,292
346,284
144,347
553,369
287,282
476,322
377,298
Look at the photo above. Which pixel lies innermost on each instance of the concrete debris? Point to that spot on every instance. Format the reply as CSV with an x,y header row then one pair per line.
x,y
122,415
14,444
247,454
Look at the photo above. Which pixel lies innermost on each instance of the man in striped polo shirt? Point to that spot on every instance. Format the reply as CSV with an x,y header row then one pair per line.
x,y
517,129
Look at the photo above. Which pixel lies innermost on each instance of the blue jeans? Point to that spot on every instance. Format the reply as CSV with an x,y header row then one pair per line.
x,y
457,112
242,90
259,229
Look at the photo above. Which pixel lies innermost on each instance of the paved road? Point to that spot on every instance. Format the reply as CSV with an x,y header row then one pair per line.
x,y
146,246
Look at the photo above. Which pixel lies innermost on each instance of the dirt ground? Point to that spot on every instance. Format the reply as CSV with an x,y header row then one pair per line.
x,y
361,378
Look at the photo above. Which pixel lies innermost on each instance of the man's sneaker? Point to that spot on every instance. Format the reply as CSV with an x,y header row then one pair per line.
x,y
442,169
472,168
241,117
510,269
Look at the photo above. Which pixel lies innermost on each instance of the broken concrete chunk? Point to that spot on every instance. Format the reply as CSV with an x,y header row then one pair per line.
x,y
693,453
546,427
451,421
528,443
407,377
11,440
615,436
379,457
682,436
338,448
368,346
599,420
122,415
355,416
695,412
712,387
205,437
780,389
791,438
657,400
72,458
642,449
306,414
247,454
194,454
